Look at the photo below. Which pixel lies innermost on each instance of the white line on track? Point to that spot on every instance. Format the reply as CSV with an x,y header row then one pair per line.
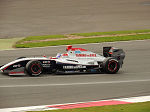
x,y
73,84
49,76
78,44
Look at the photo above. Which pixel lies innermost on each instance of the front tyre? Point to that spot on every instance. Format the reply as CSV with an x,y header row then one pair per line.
x,y
34,68
111,65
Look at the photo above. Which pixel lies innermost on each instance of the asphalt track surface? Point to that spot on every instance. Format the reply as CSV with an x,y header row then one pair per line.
x,y
19,18
132,80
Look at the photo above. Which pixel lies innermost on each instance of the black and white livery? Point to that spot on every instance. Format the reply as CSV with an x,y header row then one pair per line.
x,y
75,60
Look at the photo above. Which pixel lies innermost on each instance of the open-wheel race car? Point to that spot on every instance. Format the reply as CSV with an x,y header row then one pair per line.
x,y
75,60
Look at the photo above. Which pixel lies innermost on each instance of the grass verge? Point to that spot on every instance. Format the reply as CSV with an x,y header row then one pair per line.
x,y
8,43
44,37
84,40
135,107
111,33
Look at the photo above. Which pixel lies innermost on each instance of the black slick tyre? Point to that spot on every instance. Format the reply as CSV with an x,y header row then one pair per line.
x,y
34,68
111,65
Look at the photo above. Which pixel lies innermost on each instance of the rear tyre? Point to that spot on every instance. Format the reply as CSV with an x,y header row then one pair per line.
x,y
34,68
111,65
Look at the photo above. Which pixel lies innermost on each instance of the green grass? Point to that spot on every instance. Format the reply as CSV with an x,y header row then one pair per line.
x,y
85,40
44,37
135,107
111,33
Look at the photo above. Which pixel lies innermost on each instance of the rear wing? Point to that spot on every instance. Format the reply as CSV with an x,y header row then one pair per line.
x,y
117,53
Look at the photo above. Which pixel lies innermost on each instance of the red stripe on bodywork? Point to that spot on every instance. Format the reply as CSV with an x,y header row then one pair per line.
x,y
6,67
89,104
75,49
15,72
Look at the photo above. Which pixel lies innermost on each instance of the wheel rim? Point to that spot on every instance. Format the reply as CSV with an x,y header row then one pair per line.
x,y
36,69
112,66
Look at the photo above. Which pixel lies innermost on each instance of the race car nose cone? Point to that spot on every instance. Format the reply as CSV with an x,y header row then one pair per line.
x,y
1,70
